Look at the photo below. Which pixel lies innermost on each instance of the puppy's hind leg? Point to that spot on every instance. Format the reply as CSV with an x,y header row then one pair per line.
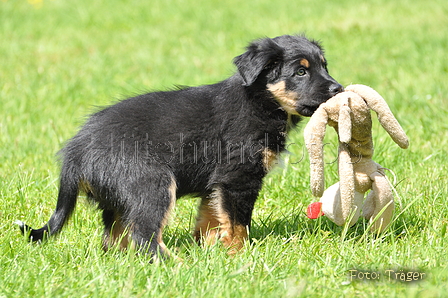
x,y
114,231
149,202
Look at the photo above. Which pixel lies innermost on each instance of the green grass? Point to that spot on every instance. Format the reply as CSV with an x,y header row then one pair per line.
x,y
61,59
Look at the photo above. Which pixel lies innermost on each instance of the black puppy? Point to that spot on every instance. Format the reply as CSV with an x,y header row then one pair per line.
x,y
135,158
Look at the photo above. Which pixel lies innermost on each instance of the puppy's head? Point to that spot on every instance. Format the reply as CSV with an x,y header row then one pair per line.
x,y
292,69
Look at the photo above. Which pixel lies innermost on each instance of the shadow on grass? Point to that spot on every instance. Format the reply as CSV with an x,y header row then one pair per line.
x,y
296,224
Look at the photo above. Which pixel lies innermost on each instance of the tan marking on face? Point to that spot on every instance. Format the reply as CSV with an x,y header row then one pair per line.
x,y
322,58
304,63
214,224
287,99
270,158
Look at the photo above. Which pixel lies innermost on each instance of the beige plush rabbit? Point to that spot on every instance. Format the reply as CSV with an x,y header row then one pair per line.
x,y
349,114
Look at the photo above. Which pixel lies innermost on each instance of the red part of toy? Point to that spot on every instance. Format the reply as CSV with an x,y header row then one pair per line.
x,y
314,210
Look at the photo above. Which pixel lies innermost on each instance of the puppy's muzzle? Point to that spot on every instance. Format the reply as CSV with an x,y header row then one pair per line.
x,y
334,89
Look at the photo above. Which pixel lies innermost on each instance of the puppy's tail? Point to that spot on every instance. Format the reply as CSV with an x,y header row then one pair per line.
x,y
68,193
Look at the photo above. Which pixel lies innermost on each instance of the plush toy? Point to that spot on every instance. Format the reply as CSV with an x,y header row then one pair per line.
x,y
349,114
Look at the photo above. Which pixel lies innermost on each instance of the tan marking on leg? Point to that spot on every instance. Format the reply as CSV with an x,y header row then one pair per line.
x,y
172,193
287,99
206,230
85,186
236,239
214,224
117,235
304,63
269,159
207,223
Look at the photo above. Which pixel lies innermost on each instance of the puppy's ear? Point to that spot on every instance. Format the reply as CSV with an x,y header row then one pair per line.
x,y
260,54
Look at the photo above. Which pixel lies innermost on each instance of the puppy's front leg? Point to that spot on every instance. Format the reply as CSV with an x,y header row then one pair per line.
x,y
225,215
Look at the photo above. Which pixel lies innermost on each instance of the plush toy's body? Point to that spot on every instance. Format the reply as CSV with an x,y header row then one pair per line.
x,y
349,114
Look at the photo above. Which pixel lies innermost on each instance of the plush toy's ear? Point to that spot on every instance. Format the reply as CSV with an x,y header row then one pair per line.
x,y
260,54
385,116
314,135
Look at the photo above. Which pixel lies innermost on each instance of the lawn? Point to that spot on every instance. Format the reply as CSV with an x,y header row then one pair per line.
x,y
60,60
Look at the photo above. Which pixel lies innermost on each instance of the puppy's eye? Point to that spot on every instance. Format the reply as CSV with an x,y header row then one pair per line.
x,y
301,72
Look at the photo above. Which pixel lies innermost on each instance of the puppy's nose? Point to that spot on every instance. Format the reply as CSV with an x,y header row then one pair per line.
x,y
335,89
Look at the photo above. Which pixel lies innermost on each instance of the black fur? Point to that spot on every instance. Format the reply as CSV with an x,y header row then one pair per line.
x,y
136,157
